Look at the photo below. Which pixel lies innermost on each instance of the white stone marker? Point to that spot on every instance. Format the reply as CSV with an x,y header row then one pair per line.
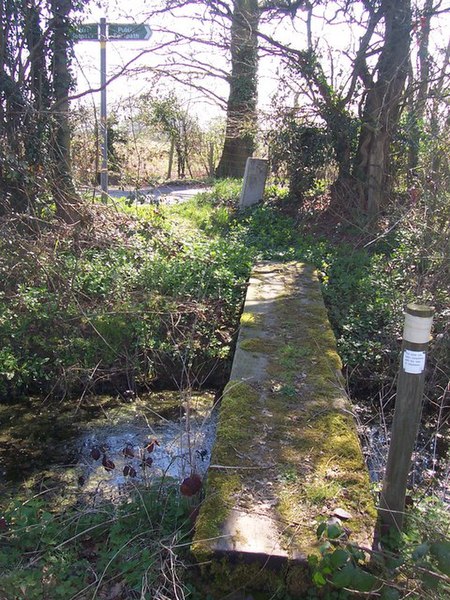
x,y
254,182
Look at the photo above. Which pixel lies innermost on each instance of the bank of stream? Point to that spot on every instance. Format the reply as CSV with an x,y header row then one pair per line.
x,y
430,468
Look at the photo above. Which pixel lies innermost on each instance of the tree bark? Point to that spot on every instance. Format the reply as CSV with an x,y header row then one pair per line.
x,y
382,108
18,121
417,100
39,83
241,107
65,195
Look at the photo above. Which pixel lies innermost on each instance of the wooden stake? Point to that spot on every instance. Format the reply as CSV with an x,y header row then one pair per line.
x,y
211,159
171,154
408,408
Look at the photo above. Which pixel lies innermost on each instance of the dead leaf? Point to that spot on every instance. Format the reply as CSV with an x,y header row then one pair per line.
x,y
341,513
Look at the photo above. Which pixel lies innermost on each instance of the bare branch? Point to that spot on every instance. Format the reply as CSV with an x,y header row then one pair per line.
x,y
360,69
119,73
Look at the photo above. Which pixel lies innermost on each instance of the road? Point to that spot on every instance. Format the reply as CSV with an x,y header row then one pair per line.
x,y
163,194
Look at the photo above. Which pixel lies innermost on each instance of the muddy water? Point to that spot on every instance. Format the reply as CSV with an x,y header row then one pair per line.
x,y
102,446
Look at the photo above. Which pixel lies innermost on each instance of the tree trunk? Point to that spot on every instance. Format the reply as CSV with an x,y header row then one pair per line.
x,y
435,127
39,85
241,107
418,100
16,116
339,124
65,195
382,108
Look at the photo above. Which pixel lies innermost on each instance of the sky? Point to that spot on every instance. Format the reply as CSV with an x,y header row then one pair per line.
x,y
132,83
138,78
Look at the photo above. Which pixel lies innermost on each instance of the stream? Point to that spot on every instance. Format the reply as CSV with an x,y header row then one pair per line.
x,y
102,446
430,469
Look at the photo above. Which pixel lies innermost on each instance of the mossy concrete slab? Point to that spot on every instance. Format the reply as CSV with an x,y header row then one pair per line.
x,y
287,455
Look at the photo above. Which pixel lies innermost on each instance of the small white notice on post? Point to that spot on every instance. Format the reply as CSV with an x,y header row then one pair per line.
x,y
413,362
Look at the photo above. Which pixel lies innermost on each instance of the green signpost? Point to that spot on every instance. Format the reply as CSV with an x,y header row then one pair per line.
x,y
86,32
103,32
129,31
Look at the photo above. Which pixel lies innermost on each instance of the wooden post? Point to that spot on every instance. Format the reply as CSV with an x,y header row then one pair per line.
x,y
408,408
211,159
171,154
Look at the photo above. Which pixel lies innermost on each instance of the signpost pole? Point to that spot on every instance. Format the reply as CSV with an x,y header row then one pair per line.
x,y
408,408
103,114
117,31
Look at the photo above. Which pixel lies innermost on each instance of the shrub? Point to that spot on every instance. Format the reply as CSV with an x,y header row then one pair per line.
x,y
300,152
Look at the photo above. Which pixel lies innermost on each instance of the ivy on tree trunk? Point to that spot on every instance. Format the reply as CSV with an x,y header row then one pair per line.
x,y
417,99
64,192
241,106
35,79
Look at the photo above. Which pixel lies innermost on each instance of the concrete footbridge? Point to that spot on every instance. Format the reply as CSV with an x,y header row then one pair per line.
x,y
287,454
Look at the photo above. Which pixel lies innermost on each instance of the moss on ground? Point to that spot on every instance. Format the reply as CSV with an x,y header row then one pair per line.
x,y
238,405
288,581
259,345
251,319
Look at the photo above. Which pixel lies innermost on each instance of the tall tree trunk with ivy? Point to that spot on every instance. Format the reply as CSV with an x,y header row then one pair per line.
x,y
34,108
23,97
241,107
65,195
382,108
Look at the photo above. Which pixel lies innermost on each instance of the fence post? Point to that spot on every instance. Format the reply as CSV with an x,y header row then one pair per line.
x,y
211,159
171,155
408,408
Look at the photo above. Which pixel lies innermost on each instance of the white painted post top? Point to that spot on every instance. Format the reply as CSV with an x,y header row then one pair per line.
x,y
418,322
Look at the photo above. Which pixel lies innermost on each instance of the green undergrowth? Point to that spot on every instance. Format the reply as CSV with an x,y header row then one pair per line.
x,y
366,286
130,299
413,564
364,304
144,292
126,550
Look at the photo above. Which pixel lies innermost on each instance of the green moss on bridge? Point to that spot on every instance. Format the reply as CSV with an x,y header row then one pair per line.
x,y
287,446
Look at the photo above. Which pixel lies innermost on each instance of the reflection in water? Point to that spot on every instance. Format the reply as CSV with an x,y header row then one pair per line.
x,y
103,446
